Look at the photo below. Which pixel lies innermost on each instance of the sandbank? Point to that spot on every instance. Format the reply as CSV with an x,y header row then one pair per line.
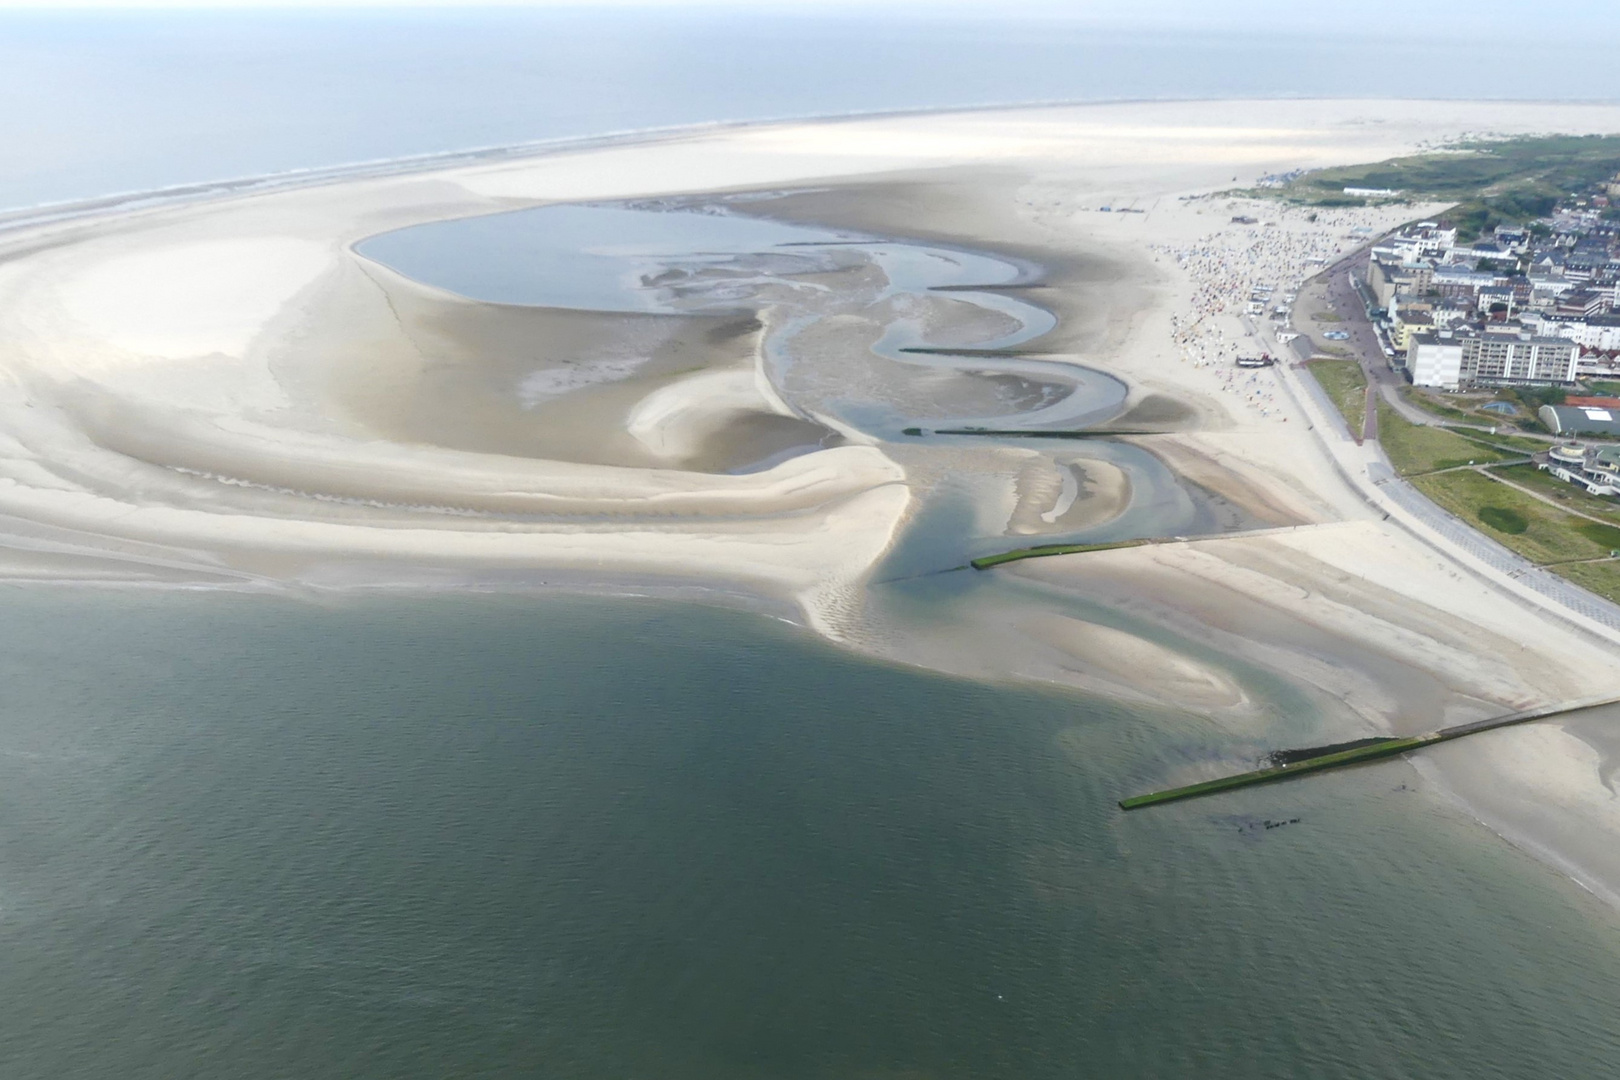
x,y
223,392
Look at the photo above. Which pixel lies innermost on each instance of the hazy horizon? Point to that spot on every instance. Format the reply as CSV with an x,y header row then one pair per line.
x,y
107,101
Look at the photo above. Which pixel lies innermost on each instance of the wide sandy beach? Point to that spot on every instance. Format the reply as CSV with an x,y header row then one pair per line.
x,y
224,393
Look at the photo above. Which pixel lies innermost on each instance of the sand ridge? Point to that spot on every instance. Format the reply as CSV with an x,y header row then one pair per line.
x,y
225,391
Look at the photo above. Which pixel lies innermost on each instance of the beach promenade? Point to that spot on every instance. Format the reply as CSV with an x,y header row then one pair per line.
x,y
1368,469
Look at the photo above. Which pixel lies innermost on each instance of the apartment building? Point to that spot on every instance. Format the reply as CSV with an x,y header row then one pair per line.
x,y
1460,361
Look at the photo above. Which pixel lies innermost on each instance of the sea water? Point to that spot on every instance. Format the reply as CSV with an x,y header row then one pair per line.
x,y
587,837
697,255
107,101
604,838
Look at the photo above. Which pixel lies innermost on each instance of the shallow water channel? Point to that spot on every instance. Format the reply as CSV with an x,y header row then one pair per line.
x,y
703,256
682,257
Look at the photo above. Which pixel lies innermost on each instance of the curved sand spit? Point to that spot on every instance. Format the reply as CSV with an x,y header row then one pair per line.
x,y
180,383
225,391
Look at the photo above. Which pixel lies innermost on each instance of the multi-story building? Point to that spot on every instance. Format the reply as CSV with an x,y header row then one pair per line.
x,y
1407,322
1434,360
1516,359
1425,238
1459,360
1457,280
1500,299
1579,303
1485,249
1599,332
1595,468
1513,238
1546,289
1386,277
1447,316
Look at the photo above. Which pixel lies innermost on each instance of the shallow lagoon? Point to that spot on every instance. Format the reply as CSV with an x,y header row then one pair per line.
x,y
698,256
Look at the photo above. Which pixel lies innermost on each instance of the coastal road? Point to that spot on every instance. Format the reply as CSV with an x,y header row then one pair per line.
x,y
1333,291
1370,474
1345,300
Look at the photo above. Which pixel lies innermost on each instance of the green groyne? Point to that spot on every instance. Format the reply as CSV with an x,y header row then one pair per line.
x,y
932,350
1040,433
985,562
1373,751
1042,550
1386,748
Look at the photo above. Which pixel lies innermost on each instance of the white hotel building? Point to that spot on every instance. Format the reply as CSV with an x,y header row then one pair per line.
x,y
1458,361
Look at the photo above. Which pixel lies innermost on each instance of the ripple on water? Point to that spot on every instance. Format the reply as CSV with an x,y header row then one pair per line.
x,y
592,838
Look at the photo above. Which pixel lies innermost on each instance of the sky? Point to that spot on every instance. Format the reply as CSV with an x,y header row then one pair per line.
x,y
123,99
1473,19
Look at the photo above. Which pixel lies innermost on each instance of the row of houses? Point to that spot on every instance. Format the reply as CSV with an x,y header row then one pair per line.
x,y
1524,306
1593,333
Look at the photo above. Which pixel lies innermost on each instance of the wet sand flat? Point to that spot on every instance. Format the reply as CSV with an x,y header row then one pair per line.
x,y
230,393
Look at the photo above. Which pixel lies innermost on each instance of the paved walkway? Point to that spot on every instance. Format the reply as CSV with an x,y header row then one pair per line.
x,y
1470,465
1347,300
1539,497
1509,563
1369,473
1387,389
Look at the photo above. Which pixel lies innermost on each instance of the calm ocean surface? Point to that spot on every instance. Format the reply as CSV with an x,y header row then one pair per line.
x,y
101,102
612,838
588,838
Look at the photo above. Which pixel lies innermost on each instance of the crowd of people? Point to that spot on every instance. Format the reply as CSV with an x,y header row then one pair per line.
x,y
1268,260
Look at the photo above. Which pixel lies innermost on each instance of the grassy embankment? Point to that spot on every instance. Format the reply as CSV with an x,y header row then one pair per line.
x,y
1419,400
1568,495
1520,444
1480,421
1346,386
1548,536
1489,181
1414,449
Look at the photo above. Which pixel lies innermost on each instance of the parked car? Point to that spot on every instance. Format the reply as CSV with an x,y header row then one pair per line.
x,y
1337,335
